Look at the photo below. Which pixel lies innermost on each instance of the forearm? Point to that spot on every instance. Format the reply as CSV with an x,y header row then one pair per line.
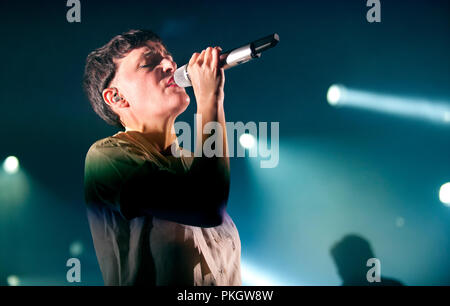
x,y
222,122
217,166
196,197
214,113
208,82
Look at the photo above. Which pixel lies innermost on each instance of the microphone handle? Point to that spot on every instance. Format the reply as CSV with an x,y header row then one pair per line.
x,y
237,56
233,57
248,52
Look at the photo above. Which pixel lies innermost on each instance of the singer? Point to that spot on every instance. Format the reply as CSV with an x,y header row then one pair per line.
x,y
157,219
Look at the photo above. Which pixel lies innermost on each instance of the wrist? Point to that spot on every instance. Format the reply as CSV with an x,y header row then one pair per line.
x,y
209,103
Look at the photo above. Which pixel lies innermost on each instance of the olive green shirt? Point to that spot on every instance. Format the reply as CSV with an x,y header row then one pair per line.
x,y
134,247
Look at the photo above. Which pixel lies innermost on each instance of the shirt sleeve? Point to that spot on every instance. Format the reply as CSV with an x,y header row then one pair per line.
x,y
136,187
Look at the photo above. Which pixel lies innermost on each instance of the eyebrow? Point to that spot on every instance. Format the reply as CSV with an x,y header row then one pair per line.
x,y
155,51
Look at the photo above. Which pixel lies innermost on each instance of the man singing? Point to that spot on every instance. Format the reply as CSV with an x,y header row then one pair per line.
x,y
155,218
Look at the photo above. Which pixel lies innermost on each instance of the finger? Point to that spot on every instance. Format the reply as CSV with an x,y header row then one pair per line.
x,y
208,56
201,58
193,58
215,57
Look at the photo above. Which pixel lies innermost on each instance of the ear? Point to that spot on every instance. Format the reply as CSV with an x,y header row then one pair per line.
x,y
112,97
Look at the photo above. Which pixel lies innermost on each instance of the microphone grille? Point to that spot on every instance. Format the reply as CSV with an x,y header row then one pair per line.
x,y
181,77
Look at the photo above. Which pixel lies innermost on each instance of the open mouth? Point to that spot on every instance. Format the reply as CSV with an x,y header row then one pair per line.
x,y
171,82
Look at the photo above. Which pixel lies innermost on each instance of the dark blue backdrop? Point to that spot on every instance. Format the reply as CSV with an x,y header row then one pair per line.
x,y
341,170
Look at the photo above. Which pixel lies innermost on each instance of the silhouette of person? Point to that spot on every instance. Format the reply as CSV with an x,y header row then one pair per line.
x,y
350,256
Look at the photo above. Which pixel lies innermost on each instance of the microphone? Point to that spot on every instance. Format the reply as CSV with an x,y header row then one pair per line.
x,y
232,57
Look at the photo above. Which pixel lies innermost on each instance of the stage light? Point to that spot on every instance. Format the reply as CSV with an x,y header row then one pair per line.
x,y
13,280
447,116
251,276
76,248
11,165
444,194
437,111
247,141
334,94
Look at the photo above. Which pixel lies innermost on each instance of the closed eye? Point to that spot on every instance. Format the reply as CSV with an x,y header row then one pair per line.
x,y
151,64
155,59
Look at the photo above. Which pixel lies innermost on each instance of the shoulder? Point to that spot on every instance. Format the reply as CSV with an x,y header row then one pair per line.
x,y
114,144
114,147
113,155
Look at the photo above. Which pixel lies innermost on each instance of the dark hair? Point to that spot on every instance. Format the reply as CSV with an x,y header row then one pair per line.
x,y
100,69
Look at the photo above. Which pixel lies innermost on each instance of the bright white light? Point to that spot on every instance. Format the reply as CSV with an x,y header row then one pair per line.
x,y
251,276
13,280
444,194
247,141
438,111
76,248
447,116
11,165
256,276
334,94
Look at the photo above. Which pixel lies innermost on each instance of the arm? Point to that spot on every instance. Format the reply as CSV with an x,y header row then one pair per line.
x,y
208,81
197,197
135,187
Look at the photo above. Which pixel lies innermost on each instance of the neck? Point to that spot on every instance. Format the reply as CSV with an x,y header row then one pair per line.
x,y
161,135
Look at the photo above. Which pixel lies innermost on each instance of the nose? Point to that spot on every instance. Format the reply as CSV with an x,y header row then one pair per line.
x,y
169,65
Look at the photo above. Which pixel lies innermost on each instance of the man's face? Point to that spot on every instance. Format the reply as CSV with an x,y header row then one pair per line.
x,y
142,79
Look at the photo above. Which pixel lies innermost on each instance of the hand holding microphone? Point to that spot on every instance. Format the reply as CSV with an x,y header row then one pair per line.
x,y
205,72
207,77
230,58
